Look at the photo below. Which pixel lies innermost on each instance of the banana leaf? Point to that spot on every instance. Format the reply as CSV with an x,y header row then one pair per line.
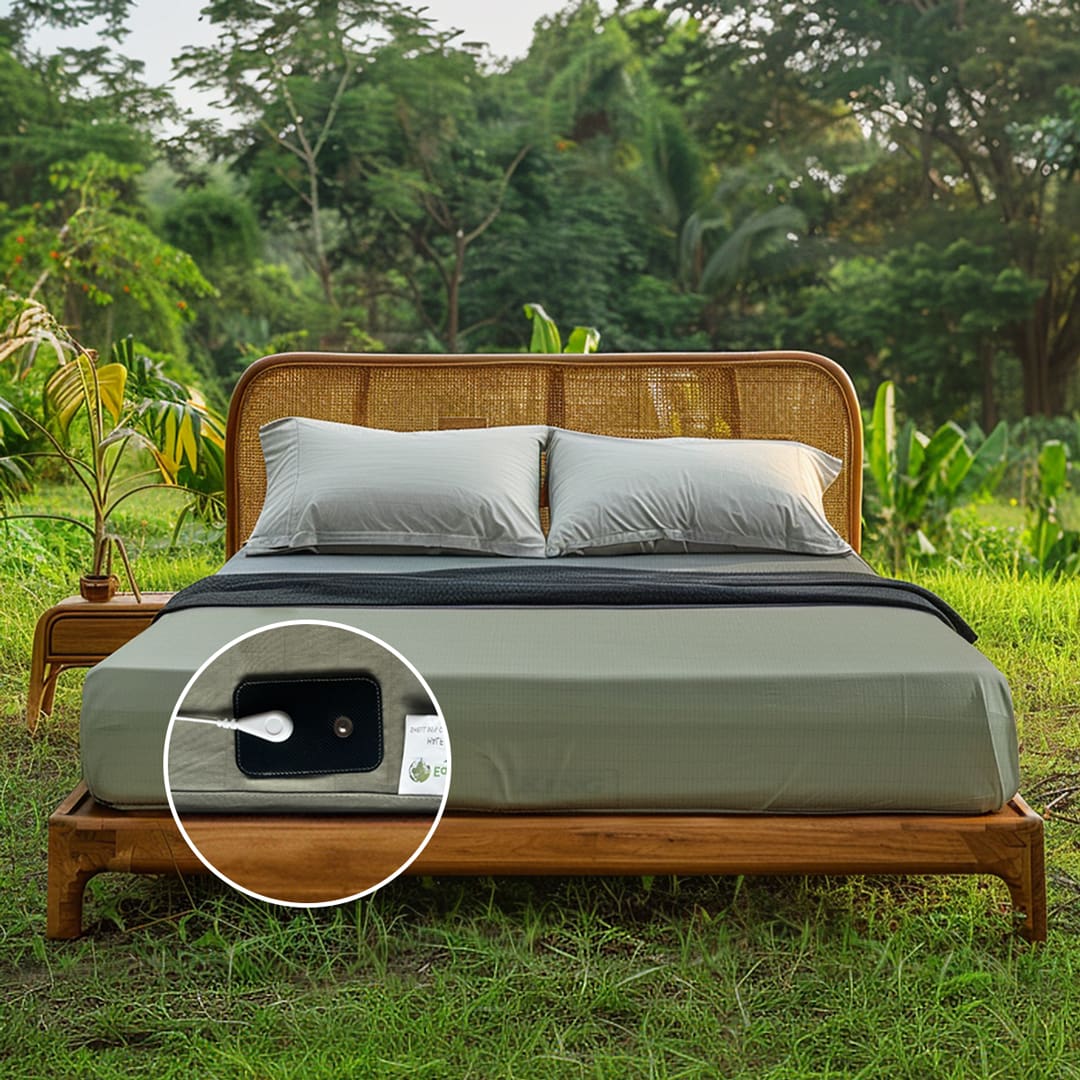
x,y
1053,469
583,339
545,334
79,384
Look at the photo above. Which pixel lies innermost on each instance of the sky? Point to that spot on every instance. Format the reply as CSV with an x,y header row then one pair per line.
x,y
160,29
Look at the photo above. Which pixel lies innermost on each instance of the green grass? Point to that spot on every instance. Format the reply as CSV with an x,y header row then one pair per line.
x,y
777,978
1010,513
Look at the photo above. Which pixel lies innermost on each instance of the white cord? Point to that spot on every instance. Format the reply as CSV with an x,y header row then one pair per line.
x,y
274,726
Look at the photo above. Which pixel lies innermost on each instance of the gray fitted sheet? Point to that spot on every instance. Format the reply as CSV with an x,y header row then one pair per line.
x,y
799,708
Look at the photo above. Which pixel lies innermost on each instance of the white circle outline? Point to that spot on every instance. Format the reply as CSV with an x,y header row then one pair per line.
x,y
302,903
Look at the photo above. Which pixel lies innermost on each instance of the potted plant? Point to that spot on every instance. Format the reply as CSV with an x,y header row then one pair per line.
x,y
96,418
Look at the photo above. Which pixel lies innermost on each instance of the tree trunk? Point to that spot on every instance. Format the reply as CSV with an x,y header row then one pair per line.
x,y
322,264
1061,370
1048,347
1030,345
989,405
453,293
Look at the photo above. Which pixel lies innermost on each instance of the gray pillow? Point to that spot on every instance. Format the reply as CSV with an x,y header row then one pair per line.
x,y
614,496
338,487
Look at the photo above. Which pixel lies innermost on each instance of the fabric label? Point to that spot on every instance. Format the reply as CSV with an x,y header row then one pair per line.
x,y
425,761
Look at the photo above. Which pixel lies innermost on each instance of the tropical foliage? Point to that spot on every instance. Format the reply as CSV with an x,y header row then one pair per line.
x,y
1055,548
547,339
917,483
95,417
896,185
918,479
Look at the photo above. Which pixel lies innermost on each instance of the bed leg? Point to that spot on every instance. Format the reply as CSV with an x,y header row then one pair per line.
x,y
1026,879
1034,928
74,858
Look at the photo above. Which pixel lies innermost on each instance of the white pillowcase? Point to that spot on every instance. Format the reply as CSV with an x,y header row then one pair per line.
x,y
339,487
612,496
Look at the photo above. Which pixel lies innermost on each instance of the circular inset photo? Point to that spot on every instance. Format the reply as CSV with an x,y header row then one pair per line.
x,y
307,763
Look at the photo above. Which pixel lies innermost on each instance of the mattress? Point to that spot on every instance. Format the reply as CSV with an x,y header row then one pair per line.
x,y
802,708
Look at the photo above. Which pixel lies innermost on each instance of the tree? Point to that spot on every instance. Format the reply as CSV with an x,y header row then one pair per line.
x,y
363,120
86,253
82,88
290,76
954,88
284,75
602,104
216,224
927,317
24,15
591,217
49,116
456,152
736,245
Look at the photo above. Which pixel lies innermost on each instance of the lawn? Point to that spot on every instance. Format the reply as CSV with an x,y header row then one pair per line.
x,y
784,978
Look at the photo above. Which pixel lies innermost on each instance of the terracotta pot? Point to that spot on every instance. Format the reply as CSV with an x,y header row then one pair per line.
x,y
98,588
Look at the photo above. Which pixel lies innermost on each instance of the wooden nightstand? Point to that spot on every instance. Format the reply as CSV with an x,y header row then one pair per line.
x,y
77,633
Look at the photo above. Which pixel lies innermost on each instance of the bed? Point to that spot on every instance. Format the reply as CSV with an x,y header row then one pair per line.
x,y
856,735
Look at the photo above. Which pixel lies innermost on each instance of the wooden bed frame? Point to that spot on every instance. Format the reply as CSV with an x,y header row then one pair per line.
x,y
786,395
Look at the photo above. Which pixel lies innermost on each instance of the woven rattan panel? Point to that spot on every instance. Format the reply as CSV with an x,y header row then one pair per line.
x,y
764,395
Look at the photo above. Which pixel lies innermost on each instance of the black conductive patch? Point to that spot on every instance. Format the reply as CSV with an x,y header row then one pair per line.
x,y
317,705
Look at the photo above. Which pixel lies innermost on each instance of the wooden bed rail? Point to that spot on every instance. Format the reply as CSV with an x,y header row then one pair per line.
x,y
86,838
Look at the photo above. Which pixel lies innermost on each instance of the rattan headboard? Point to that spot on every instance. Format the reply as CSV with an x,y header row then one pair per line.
x,y
766,395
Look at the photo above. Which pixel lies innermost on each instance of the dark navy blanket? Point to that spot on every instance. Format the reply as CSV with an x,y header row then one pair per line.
x,y
562,585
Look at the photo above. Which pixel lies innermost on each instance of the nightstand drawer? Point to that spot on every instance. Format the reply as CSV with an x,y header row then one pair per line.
x,y
94,635
76,633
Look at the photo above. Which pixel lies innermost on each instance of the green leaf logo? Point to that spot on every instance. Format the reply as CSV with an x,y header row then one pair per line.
x,y
419,771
